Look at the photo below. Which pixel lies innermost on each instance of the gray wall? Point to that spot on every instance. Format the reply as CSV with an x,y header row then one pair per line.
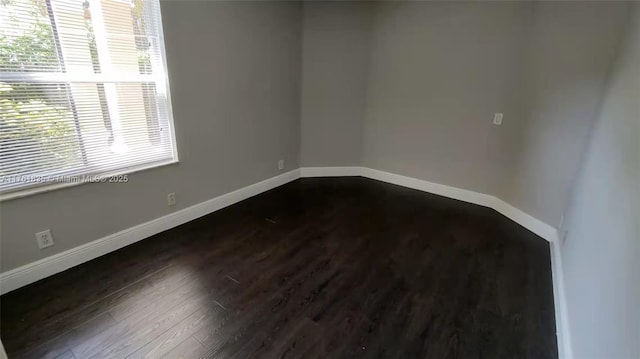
x,y
571,47
234,69
335,58
601,255
440,70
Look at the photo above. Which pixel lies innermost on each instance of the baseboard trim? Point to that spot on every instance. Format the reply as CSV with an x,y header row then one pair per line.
x,y
3,354
526,220
46,267
431,187
563,332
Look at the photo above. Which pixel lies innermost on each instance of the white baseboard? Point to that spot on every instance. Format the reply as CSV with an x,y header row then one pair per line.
x,y
533,224
431,187
3,354
563,333
45,267
526,220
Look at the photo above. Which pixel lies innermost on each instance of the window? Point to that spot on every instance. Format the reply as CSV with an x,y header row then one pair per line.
x,y
83,91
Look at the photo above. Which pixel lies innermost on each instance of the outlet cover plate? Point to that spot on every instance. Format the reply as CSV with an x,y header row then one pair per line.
x,y
45,239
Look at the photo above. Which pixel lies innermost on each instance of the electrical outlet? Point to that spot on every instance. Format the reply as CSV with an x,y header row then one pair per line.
x,y
497,119
171,199
45,239
281,164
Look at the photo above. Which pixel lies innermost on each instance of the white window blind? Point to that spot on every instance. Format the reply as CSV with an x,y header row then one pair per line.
x,y
83,91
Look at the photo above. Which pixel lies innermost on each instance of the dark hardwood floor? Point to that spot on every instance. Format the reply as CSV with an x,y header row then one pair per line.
x,y
320,267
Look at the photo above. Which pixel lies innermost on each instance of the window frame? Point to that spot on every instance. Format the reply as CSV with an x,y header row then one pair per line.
x,y
63,77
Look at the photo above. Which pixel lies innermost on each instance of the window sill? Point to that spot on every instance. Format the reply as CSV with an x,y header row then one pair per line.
x,y
59,185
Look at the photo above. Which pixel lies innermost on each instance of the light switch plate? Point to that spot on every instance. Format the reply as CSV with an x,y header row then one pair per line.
x,y
497,119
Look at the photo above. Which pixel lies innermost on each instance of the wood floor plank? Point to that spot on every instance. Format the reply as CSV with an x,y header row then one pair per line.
x,y
188,349
164,344
63,343
126,337
66,355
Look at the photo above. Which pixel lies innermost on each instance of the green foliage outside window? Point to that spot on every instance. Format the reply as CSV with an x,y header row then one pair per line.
x,y
27,113
39,124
